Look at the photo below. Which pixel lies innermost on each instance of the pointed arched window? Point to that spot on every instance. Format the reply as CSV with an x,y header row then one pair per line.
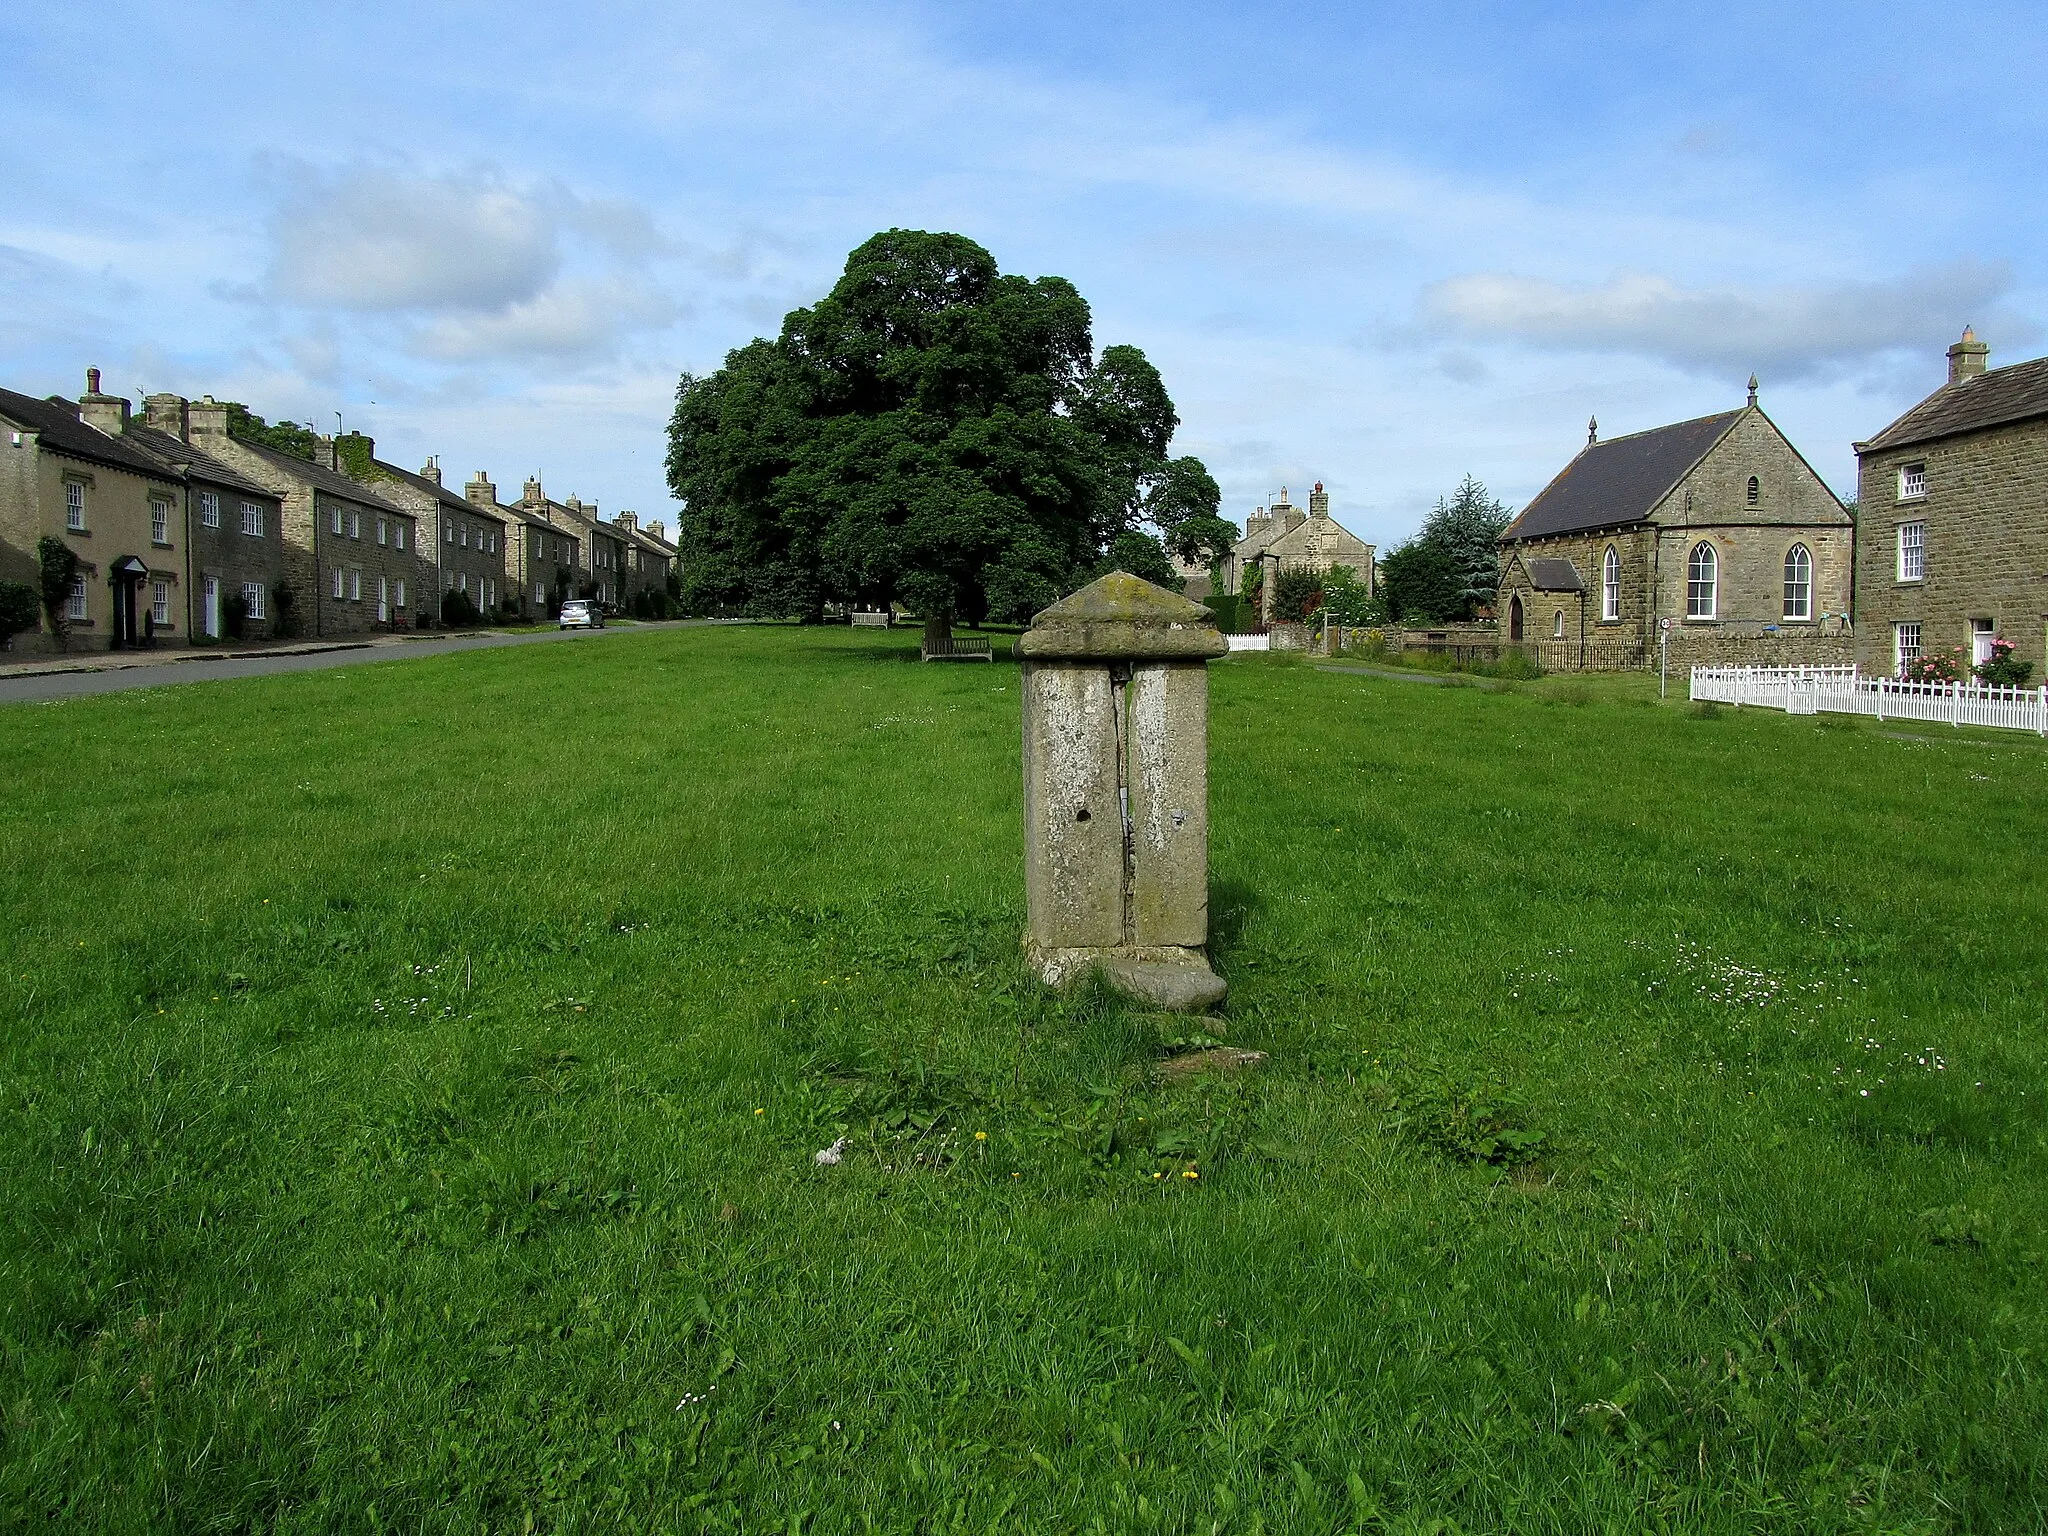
x,y
1701,579
1610,584
1756,490
1798,583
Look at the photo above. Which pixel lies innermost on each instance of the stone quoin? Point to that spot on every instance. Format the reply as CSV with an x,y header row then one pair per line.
x,y
1116,791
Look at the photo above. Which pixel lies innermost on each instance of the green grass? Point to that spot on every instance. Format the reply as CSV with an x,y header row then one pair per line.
x,y
412,1072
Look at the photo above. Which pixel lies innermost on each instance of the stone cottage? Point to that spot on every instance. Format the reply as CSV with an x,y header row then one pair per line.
x,y
540,555
1714,532
350,549
600,547
68,471
1281,537
462,545
1953,547
237,563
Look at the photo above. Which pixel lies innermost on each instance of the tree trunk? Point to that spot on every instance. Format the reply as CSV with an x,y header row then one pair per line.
x,y
938,627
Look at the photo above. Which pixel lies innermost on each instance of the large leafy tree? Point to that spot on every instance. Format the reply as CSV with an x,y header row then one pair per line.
x,y
1451,568
932,431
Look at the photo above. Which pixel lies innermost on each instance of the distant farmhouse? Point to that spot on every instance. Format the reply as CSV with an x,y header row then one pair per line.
x,y
1715,532
1954,512
1282,538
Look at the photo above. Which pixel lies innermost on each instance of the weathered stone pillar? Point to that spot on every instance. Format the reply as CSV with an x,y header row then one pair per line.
x,y
1116,790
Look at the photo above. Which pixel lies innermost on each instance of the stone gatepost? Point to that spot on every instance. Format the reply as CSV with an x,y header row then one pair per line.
x,y
1116,791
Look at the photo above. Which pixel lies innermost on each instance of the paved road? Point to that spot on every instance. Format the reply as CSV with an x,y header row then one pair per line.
x,y
38,687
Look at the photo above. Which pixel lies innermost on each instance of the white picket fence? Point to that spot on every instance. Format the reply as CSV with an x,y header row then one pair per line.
x,y
1250,642
1845,691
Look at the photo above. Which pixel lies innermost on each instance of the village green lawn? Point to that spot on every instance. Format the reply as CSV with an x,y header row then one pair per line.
x,y
411,1077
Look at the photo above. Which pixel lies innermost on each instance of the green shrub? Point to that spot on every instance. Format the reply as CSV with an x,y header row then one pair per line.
x,y
20,604
2003,669
57,566
457,610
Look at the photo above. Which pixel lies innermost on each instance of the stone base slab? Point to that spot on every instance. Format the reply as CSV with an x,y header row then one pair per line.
x,y
1172,977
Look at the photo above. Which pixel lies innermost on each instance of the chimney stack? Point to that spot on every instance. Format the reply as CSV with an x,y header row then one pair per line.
x,y
480,492
105,413
529,495
1319,501
1966,358
431,470
206,417
657,529
167,414
630,521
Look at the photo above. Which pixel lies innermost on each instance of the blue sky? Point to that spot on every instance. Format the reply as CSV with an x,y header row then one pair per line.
x,y
1379,246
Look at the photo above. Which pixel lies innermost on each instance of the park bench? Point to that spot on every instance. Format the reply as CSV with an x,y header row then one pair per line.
x,y
960,648
868,620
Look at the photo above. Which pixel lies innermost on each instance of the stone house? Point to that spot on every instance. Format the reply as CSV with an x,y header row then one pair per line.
x,y
236,557
646,560
70,471
349,549
1260,529
540,557
1283,537
600,547
1318,544
1714,532
462,545
1953,496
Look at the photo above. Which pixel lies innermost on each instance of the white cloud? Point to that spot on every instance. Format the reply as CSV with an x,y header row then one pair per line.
x,y
574,318
1789,331
372,239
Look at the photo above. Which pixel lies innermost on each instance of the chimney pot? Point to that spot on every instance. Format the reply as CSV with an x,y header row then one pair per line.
x,y
92,381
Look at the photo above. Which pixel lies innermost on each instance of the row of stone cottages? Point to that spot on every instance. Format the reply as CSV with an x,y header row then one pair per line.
x,y
1716,539
185,532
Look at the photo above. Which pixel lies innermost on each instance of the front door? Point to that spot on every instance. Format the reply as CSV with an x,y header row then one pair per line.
x,y
1982,633
383,602
124,612
209,606
1515,619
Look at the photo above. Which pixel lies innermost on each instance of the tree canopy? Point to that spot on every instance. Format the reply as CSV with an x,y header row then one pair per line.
x,y
935,432
1451,568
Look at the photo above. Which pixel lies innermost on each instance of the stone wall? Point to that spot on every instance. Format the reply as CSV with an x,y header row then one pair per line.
x,y
1986,545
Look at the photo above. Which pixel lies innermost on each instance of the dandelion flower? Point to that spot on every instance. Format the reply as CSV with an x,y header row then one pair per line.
x,y
760,1111
981,1135
1191,1174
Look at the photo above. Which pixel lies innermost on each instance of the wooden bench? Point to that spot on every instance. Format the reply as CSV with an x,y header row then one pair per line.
x,y
868,620
959,648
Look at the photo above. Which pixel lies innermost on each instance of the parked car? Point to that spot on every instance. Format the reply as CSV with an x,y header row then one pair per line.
x,y
582,613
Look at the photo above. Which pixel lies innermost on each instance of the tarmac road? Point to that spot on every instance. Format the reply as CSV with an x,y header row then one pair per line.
x,y
199,667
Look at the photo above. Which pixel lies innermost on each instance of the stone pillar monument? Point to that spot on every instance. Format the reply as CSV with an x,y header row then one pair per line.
x,y
1116,791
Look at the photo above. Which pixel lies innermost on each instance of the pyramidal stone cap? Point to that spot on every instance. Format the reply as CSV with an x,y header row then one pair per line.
x,y
1123,617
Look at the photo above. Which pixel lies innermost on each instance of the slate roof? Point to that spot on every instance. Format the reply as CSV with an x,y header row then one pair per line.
x,y
201,465
440,493
1548,575
320,477
57,423
1619,481
1990,399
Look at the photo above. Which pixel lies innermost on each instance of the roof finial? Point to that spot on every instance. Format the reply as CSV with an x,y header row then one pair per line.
x,y
1752,389
1592,430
